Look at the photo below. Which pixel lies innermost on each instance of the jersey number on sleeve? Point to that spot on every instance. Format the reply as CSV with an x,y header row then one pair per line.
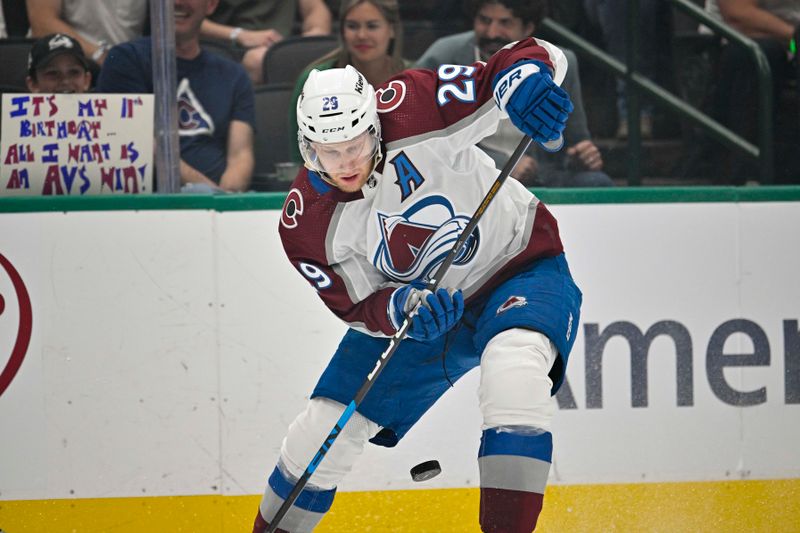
x,y
463,90
315,275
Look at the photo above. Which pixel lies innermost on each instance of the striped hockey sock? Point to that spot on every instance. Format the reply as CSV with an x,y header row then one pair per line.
x,y
306,512
260,525
513,466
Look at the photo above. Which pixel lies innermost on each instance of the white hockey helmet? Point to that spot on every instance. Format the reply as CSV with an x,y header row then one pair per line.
x,y
336,105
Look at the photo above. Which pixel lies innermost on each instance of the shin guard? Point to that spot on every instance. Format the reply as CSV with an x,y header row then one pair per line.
x,y
298,449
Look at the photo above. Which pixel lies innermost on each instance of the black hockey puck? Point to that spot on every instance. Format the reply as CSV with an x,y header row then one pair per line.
x,y
425,471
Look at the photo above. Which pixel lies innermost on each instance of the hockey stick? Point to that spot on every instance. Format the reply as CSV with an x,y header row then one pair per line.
x,y
394,342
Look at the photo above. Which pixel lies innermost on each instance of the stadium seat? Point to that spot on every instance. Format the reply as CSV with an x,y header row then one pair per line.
x,y
14,61
12,89
418,35
286,59
272,135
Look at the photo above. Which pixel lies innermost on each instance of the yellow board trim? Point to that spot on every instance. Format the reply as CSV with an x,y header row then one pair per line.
x,y
729,506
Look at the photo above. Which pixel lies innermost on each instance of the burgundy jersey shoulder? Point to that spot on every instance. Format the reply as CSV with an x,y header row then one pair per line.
x,y
419,101
407,105
306,216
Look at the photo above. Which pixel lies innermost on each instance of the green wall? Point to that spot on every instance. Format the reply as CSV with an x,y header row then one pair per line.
x,y
256,201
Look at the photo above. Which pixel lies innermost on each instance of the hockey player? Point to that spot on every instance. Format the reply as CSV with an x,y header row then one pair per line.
x,y
390,179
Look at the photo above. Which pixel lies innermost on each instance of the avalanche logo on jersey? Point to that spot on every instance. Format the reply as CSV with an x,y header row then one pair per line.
x,y
415,242
390,97
292,209
192,117
513,301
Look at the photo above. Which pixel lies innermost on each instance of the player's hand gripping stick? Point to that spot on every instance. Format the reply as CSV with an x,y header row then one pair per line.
x,y
432,314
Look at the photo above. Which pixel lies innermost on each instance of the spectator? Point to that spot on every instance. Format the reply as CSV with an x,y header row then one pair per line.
x,y
495,24
611,16
772,25
215,101
96,25
371,36
57,64
258,24
3,33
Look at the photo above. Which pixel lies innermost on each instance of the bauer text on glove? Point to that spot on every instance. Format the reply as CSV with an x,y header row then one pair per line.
x,y
534,103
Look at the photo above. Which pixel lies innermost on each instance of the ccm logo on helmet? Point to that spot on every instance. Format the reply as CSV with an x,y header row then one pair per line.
x,y
332,130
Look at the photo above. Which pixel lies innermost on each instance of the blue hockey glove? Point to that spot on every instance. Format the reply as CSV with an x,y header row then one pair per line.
x,y
436,314
534,103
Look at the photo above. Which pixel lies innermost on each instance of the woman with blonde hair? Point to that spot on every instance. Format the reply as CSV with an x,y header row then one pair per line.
x,y
371,40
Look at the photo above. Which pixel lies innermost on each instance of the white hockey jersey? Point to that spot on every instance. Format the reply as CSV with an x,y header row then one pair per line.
x,y
356,248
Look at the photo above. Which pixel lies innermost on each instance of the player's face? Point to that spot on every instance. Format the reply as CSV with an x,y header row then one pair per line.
x,y
62,74
348,164
495,26
367,33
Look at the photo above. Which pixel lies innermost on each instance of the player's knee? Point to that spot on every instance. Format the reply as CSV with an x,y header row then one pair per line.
x,y
515,388
310,429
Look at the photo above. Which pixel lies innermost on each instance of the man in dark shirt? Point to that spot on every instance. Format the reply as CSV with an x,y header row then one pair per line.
x,y
497,23
216,111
